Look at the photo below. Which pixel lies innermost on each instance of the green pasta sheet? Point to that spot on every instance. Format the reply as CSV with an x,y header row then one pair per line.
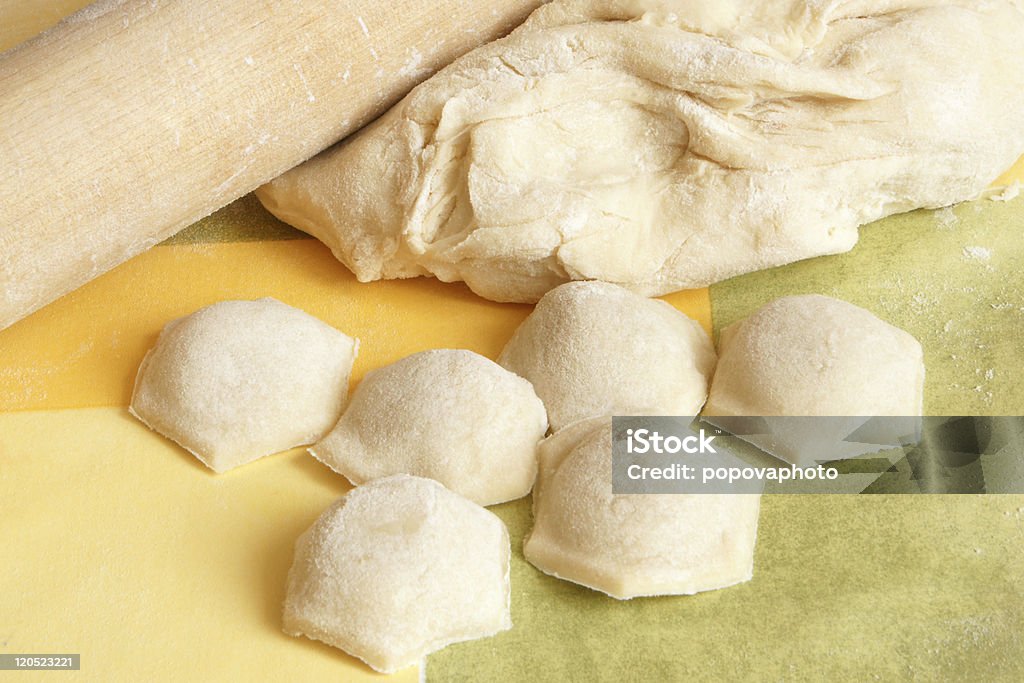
x,y
845,588
244,220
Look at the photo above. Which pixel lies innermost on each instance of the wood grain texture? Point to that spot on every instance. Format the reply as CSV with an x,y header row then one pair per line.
x,y
132,119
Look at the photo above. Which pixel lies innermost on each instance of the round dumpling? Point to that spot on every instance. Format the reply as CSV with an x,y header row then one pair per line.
x,y
448,414
593,348
632,545
813,355
397,569
238,380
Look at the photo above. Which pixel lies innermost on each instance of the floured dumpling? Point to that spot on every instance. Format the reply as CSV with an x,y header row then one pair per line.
x,y
632,545
397,569
828,379
670,144
592,348
812,355
448,414
238,380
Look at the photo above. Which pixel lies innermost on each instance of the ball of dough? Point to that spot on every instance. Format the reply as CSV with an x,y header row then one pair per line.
x,y
238,380
593,348
397,569
632,545
448,414
668,145
818,356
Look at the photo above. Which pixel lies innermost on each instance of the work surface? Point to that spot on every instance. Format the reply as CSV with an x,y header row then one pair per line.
x,y
120,546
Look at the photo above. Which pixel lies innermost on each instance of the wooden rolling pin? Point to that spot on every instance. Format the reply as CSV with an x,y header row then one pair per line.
x,y
132,119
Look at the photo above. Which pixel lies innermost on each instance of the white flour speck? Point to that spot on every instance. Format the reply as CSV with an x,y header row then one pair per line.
x,y
977,253
302,77
945,218
412,65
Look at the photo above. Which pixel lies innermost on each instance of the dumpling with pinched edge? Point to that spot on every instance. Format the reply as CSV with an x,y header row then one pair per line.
x,y
448,414
815,355
812,356
238,380
593,348
397,569
633,545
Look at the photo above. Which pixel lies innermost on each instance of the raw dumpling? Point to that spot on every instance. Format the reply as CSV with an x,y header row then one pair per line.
x,y
238,380
592,348
813,355
632,545
451,415
397,569
670,144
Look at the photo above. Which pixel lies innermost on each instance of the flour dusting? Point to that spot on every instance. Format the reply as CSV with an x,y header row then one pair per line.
x,y
945,218
977,253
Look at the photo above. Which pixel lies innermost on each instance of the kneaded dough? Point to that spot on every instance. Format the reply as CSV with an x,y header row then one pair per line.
x,y
397,569
448,414
813,355
668,144
238,380
593,348
632,545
